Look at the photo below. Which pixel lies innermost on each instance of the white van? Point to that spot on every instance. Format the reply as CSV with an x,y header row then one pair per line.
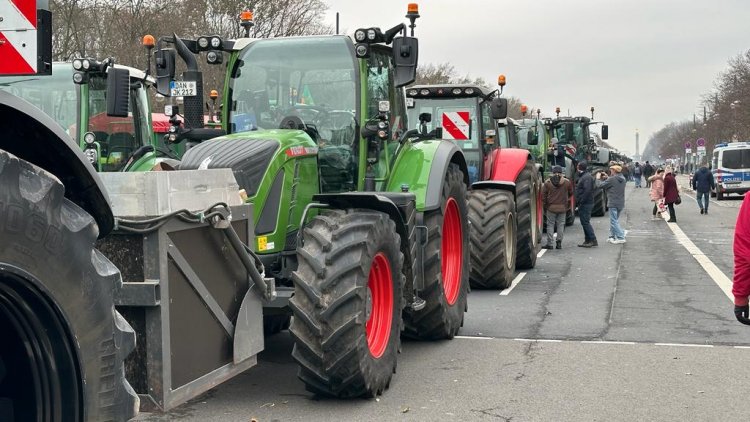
x,y
730,166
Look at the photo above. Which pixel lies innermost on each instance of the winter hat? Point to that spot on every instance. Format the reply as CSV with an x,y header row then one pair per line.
x,y
616,168
582,166
557,169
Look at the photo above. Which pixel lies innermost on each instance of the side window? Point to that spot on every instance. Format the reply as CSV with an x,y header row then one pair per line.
x,y
116,135
378,82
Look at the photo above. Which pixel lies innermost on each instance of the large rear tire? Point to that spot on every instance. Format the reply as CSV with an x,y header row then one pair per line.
x,y
446,266
63,344
493,238
600,203
528,223
347,303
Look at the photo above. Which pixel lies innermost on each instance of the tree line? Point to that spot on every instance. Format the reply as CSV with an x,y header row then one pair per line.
x,y
724,115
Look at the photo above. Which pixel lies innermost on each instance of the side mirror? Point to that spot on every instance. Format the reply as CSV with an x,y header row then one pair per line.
x,y
532,138
425,117
569,133
118,92
405,52
605,132
499,108
165,70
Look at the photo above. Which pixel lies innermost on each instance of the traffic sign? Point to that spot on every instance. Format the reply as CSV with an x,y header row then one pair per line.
x,y
700,142
688,150
687,145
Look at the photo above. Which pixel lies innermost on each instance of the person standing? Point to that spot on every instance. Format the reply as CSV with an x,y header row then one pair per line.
x,y
657,192
556,193
703,182
637,173
671,193
648,171
585,203
741,280
614,185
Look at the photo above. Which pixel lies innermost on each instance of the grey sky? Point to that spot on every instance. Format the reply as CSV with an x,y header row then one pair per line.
x,y
641,63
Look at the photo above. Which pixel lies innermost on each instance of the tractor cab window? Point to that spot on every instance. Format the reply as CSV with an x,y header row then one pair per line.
x,y
503,135
117,136
535,127
380,88
308,83
459,121
56,95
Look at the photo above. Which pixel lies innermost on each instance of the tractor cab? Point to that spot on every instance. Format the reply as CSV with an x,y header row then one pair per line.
x,y
574,139
76,97
465,115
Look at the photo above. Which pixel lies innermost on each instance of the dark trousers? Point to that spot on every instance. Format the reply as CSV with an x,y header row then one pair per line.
x,y
672,215
584,215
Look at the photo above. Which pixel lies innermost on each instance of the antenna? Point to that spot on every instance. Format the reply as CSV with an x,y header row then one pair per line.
x,y
337,23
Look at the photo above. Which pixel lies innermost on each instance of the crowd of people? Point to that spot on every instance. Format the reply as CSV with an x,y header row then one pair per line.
x,y
664,192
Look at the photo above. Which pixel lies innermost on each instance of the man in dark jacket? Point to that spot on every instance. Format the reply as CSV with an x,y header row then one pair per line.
x,y
614,185
648,171
585,203
703,182
556,193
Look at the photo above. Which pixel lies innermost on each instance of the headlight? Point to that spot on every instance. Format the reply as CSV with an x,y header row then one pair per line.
x,y
456,91
424,91
215,42
78,77
359,35
469,91
212,57
77,65
203,42
89,138
362,50
371,34
412,92
91,155
86,64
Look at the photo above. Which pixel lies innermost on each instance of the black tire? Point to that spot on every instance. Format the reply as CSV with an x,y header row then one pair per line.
x,y
274,324
57,306
570,218
440,319
330,303
600,203
529,232
492,235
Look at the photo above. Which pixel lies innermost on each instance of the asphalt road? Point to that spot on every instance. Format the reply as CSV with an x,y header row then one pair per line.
x,y
638,331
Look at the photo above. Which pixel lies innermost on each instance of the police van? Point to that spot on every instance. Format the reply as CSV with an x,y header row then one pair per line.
x,y
731,168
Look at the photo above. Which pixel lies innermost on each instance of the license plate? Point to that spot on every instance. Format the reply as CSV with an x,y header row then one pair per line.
x,y
182,88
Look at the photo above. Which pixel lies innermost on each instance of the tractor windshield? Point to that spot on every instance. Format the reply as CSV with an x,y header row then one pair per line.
x,y
312,79
536,128
55,95
458,119
118,137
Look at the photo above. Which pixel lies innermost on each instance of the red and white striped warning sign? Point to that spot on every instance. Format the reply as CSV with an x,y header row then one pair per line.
x,y
456,125
18,37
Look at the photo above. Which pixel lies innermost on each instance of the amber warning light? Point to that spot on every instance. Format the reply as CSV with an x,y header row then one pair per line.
x,y
501,80
149,41
524,109
246,15
413,8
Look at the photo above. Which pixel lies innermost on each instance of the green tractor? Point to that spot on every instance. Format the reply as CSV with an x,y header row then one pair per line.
x,y
75,95
361,222
573,143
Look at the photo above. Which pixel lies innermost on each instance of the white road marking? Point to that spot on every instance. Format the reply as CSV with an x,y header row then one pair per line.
x,y
721,280
742,347
538,340
539,255
475,337
513,284
683,345
606,342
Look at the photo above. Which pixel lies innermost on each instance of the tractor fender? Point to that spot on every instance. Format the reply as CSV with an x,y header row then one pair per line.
x,y
508,164
421,168
492,184
368,200
29,134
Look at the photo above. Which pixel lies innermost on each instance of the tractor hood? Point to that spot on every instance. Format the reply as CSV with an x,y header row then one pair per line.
x,y
31,135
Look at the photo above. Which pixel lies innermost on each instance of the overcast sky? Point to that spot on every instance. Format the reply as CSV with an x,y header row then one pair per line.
x,y
641,63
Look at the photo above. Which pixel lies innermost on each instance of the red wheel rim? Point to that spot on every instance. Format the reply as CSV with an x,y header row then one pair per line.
x,y
380,305
451,251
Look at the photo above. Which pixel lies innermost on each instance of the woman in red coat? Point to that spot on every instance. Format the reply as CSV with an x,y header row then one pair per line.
x,y
671,193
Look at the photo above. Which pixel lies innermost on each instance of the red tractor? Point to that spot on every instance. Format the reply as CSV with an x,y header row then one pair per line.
x,y
505,207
